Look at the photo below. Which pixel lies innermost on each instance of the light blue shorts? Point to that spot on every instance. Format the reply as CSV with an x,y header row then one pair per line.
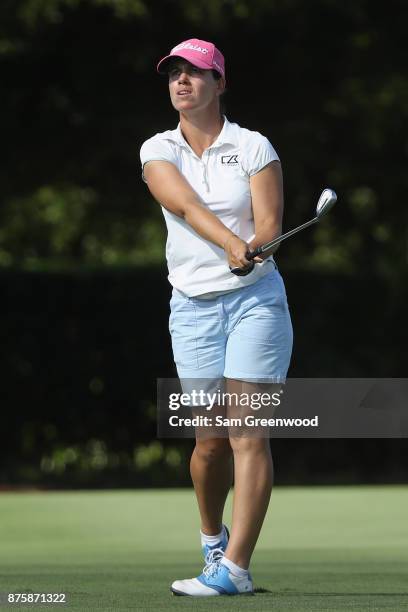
x,y
245,334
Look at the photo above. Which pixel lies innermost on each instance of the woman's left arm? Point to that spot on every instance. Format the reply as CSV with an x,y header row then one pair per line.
x,y
267,204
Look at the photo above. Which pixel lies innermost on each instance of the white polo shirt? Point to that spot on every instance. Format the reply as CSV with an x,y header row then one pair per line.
x,y
198,267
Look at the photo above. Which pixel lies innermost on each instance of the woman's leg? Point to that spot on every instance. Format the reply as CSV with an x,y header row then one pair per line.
x,y
253,471
253,477
211,472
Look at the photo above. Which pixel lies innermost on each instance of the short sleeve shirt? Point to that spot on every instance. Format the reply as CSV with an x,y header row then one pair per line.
x,y
198,267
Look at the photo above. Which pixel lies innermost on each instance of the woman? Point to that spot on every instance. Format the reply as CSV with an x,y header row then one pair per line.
x,y
220,188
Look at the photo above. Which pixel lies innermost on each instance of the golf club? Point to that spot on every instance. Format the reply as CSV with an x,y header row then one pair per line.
x,y
326,201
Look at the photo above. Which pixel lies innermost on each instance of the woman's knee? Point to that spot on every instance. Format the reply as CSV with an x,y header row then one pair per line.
x,y
212,449
247,444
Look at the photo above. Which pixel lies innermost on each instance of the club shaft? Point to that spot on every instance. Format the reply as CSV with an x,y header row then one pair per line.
x,y
278,240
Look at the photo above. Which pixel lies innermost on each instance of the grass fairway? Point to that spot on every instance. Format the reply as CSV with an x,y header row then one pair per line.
x,y
343,548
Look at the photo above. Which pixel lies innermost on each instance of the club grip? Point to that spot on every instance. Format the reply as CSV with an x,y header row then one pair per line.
x,y
254,253
249,255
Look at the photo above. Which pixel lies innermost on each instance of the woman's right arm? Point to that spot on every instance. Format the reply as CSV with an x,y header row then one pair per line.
x,y
169,187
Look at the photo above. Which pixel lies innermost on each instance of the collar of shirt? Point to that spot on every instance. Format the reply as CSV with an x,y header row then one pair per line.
x,y
228,135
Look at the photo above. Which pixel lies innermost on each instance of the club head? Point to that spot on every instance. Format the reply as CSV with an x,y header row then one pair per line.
x,y
326,201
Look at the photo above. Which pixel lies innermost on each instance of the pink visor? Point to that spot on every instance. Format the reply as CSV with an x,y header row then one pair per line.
x,y
200,53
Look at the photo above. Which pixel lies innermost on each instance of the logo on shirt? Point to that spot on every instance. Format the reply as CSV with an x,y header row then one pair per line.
x,y
230,160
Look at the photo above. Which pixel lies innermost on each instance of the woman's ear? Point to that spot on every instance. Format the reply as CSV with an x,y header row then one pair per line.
x,y
220,86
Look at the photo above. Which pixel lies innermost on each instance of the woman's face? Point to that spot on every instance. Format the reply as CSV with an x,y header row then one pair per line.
x,y
192,88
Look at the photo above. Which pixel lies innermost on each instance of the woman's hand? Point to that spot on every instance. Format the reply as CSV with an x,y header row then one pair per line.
x,y
236,250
